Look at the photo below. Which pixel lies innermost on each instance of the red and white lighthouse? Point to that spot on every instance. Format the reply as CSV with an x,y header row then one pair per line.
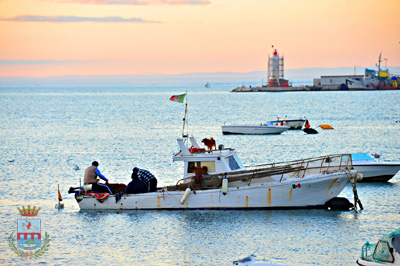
x,y
275,71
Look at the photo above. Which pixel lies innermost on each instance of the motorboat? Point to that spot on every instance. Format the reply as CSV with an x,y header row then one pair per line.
x,y
262,129
293,123
228,184
385,252
373,169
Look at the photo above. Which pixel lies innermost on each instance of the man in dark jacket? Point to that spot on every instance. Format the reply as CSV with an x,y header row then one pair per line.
x,y
147,177
136,186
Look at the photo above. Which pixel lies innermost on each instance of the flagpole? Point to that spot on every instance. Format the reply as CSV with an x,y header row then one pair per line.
x,y
185,119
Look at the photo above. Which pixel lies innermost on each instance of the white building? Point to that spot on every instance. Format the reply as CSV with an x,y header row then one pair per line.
x,y
337,80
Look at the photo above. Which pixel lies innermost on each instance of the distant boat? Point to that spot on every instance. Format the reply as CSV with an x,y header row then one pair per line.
x,y
262,129
374,80
372,169
207,85
293,123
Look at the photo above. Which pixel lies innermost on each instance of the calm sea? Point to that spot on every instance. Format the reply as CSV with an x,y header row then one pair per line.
x,y
45,132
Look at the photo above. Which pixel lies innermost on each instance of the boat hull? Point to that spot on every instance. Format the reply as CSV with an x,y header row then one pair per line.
x,y
376,172
307,192
253,129
396,261
292,123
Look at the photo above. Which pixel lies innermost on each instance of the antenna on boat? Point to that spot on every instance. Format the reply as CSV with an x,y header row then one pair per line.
x,y
185,121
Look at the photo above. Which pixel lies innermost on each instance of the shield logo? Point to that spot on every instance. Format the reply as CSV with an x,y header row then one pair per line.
x,y
29,238
28,233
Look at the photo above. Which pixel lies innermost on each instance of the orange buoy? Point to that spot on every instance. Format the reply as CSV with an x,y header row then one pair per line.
x,y
325,126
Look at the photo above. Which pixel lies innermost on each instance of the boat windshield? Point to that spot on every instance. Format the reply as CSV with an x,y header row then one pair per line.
x,y
361,156
234,162
200,164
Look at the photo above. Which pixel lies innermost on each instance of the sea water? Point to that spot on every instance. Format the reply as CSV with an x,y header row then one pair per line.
x,y
47,133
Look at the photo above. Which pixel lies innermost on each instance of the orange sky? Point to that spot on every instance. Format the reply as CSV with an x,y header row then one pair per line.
x,y
107,37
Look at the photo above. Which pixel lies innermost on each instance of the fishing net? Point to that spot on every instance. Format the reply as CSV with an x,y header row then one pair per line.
x,y
381,251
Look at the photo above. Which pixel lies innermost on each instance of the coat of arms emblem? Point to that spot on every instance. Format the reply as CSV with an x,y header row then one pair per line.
x,y
30,243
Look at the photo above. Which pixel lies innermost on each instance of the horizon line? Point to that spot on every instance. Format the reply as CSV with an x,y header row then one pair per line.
x,y
184,73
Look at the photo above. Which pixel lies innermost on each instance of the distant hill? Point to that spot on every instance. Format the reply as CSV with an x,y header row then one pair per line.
x,y
303,76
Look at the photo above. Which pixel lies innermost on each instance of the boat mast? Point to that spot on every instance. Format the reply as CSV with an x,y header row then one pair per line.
x,y
379,66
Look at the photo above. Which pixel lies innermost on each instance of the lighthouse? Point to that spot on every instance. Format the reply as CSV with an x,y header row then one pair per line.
x,y
275,71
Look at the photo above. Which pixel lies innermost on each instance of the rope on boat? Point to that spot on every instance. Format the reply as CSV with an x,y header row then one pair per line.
x,y
353,182
250,178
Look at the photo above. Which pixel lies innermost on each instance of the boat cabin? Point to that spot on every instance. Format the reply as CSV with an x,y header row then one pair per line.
x,y
217,161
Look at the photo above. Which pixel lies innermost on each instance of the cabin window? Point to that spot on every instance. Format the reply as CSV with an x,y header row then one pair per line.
x,y
210,166
233,163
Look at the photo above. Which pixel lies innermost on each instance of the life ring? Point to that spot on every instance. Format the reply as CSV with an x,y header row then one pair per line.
x,y
381,83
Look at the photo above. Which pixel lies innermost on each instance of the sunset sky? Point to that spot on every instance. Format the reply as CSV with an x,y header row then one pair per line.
x,y
42,38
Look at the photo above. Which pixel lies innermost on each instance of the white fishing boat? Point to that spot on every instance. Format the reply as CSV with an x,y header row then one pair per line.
x,y
293,123
385,252
373,169
231,185
262,129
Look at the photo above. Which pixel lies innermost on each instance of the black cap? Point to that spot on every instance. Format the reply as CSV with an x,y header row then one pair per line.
x,y
95,163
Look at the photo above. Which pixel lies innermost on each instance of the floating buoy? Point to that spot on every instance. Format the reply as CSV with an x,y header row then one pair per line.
x,y
310,130
339,203
185,196
224,188
325,126
59,205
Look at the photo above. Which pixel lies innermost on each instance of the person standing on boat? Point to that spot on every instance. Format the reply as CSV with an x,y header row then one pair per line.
x,y
136,186
147,177
90,178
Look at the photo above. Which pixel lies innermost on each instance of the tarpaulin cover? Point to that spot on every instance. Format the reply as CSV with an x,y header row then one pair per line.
x,y
361,156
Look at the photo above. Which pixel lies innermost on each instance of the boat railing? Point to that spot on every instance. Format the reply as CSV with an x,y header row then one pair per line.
x,y
367,251
297,169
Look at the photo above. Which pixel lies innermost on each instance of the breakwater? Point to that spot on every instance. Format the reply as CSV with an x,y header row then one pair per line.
x,y
283,89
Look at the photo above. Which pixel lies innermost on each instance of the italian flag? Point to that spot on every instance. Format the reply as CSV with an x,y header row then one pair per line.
x,y
178,98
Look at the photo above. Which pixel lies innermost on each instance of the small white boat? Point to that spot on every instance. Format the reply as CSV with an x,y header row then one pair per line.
x,y
261,129
231,185
385,252
372,169
251,261
293,123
